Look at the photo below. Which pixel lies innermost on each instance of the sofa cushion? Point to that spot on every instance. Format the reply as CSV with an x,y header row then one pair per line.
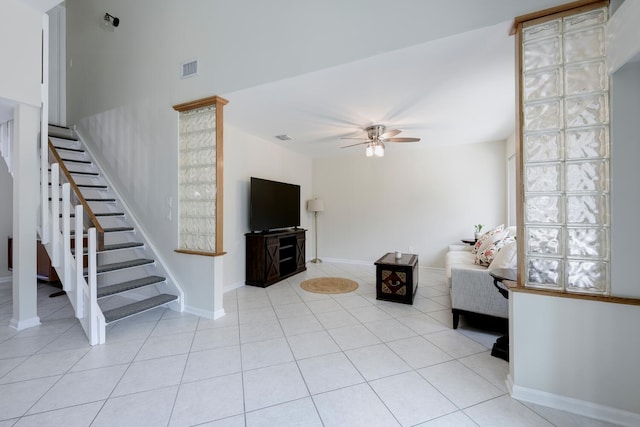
x,y
487,253
488,235
460,259
506,257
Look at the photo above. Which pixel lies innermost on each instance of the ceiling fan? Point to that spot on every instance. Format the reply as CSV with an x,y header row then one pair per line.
x,y
377,135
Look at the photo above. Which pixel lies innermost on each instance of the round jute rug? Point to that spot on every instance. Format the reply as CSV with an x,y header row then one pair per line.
x,y
329,285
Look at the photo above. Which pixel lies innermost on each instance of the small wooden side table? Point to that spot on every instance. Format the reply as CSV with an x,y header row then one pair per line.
x,y
397,278
501,347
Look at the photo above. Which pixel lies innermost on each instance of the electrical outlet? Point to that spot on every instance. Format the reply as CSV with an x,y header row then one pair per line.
x,y
410,249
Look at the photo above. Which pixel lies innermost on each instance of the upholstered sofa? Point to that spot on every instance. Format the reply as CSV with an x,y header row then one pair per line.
x,y
472,289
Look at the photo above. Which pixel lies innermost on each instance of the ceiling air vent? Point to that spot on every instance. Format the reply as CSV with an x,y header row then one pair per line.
x,y
189,69
284,137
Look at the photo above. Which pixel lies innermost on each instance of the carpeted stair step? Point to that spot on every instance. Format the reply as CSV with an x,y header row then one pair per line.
x,y
109,213
102,214
119,246
59,135
94,199
75,150
62,132
117,229
109,230
84,162
93,186
129,285
137,307
82,173
105,268
89,186
116,247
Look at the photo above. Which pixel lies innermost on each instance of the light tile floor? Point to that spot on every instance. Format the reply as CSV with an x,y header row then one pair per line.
x,y
281,356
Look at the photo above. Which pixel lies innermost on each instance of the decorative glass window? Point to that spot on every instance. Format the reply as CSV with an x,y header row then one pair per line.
x,y
200,176
565,153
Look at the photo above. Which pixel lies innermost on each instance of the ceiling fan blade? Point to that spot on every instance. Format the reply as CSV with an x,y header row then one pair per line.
x,y
355,137
401,139
353,145
390,133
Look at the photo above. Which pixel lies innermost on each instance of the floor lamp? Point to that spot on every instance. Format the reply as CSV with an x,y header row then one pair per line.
x,y
315,206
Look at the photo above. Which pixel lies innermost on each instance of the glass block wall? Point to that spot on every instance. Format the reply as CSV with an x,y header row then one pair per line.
x,y
565,123
197,179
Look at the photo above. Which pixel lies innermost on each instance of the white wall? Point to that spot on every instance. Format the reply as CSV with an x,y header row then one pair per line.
x,y
576,355
6,216
20,43
246,156
414,200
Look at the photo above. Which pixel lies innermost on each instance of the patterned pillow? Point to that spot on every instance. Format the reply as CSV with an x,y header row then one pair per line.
x,y
485,236
486,255
507,257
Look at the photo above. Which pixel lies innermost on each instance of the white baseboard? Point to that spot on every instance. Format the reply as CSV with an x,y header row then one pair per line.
x,y
346,261
433,269
19,325
575,406
370,263
232,286
207,314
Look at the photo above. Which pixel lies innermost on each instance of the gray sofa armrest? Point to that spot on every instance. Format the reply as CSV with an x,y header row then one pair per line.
x,y
473,290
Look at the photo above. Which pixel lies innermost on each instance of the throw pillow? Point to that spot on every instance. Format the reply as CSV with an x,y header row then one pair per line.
x,y
486,254
489,234
507,257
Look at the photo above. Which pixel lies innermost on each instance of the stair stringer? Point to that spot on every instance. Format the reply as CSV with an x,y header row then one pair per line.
x,y
171,283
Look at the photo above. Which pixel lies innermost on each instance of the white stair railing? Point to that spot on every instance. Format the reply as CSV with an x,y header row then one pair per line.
x,y
82,293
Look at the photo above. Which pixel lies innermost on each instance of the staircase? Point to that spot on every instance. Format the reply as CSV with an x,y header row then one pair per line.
x,y
128,278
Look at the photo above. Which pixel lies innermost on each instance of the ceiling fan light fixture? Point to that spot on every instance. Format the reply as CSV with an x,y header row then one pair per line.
x,y
369,150
377,135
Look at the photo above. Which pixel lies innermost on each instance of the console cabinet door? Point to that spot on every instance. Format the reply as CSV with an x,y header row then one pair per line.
x,y
272,258
300,251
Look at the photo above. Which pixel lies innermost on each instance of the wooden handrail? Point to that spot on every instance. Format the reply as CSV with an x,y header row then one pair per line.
x,y
88,214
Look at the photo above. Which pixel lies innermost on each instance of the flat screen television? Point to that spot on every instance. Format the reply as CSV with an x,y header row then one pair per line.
x,y
273,205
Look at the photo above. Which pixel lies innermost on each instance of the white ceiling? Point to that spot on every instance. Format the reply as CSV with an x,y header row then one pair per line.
x,y
455,90
42,5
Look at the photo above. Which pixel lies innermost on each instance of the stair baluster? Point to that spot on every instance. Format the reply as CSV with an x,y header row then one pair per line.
x,y
66,237
79,264
55,204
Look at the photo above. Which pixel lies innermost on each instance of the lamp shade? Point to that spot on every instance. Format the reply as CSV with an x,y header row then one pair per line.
x,y
315,205
369,150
